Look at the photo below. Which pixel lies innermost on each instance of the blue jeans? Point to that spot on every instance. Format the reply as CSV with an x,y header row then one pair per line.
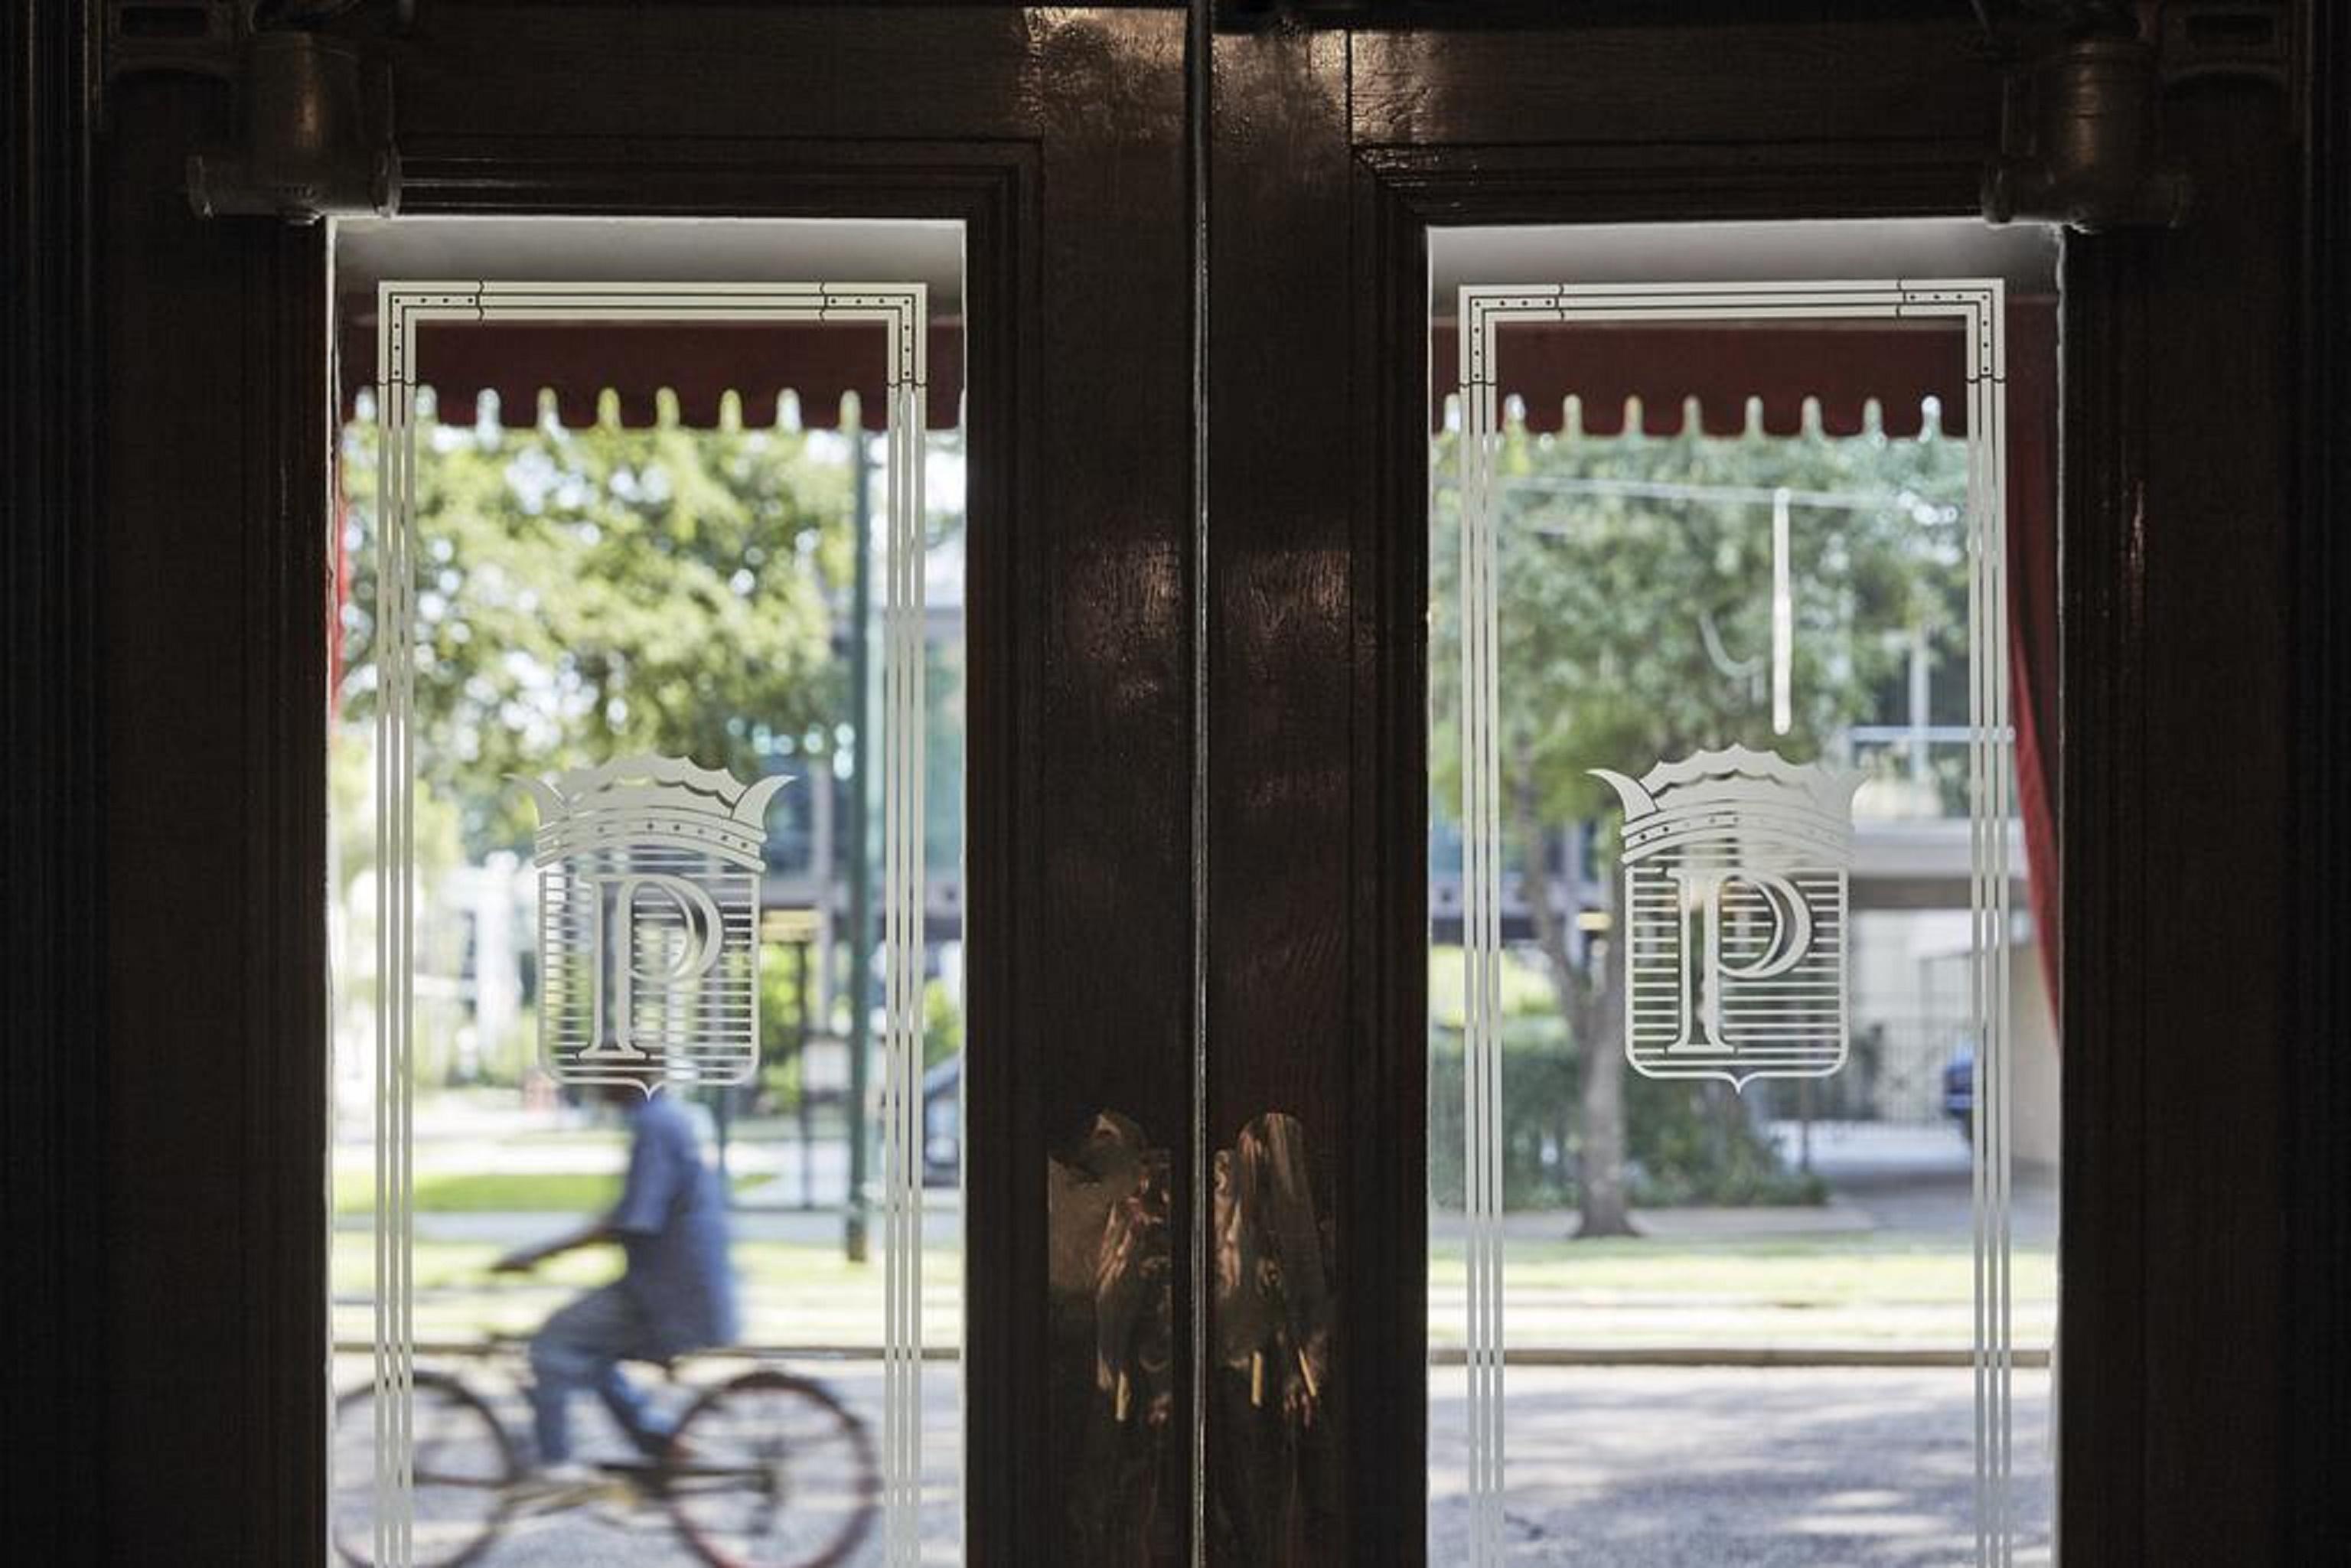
x,y
582,1347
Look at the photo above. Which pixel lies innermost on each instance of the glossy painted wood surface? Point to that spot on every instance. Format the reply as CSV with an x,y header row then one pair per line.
x,y
1286,806
1731,83
2318,1157
52,823
2182,361
212,539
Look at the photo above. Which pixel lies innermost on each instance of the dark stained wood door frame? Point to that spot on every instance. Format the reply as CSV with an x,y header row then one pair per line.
x,y
1335,154
2317,1227
180,1116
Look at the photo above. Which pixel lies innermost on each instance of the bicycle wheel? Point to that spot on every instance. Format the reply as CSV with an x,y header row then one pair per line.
x,y
772,1471
465,1472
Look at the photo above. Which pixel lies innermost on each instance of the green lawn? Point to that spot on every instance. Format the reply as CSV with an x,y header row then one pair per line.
x,y
1857,1292
791,1295
1785,1271
500,1192
1846,1289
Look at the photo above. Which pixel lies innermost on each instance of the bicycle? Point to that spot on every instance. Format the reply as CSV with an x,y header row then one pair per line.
x,y
766,1469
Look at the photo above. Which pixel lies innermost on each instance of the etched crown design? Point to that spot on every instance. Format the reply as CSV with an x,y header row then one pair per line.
x,y
624,802
1734,793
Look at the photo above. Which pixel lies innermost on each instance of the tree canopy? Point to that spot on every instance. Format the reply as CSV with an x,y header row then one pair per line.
x,y
583,593
1635,612
1634,578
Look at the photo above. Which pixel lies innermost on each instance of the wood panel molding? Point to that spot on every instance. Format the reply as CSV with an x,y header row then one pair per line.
x,y
52,823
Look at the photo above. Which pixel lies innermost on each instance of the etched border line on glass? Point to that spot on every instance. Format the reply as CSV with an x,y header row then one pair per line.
x,y
1978,305
903,311
1482,955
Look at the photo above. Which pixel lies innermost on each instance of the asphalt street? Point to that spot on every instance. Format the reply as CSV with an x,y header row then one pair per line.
x,y
1635,1467
1643,1467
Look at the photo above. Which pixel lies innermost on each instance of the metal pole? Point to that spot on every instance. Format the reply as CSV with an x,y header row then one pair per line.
x,y
806,1108
861,912
1921,709
823,861
725,1113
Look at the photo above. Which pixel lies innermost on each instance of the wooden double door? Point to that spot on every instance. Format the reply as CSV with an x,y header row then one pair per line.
x,y
1195,251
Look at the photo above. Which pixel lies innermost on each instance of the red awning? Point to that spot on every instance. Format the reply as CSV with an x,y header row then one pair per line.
x,y
700,363
1841,366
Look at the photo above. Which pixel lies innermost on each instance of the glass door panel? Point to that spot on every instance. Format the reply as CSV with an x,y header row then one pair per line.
x,y
647,770
1743,1080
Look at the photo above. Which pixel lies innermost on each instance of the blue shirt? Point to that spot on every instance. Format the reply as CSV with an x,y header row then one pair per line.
x,y
672,1219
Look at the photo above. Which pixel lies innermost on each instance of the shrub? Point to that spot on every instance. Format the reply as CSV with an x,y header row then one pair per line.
x,y
1687,1143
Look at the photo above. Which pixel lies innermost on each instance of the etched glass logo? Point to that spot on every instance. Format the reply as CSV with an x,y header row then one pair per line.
x,y
648,913
1735,915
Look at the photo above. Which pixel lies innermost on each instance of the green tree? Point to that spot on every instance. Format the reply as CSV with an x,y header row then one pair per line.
x,y
587,593
1635,576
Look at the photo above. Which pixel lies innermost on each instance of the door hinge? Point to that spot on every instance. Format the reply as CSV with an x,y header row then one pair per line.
x,y
2079,123
2083,91
313,111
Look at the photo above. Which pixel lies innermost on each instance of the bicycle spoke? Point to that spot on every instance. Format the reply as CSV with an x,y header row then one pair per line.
x,y
779,1476
764,1517
461,1469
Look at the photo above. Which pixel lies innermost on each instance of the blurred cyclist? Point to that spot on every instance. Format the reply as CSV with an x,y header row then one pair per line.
x,y
676,1295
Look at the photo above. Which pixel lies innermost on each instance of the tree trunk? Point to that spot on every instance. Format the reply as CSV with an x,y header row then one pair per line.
x,y
1589,1003
1606,1212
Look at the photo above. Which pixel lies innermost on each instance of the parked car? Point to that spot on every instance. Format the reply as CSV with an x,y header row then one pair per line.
x,y
943,1122
1960,1089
